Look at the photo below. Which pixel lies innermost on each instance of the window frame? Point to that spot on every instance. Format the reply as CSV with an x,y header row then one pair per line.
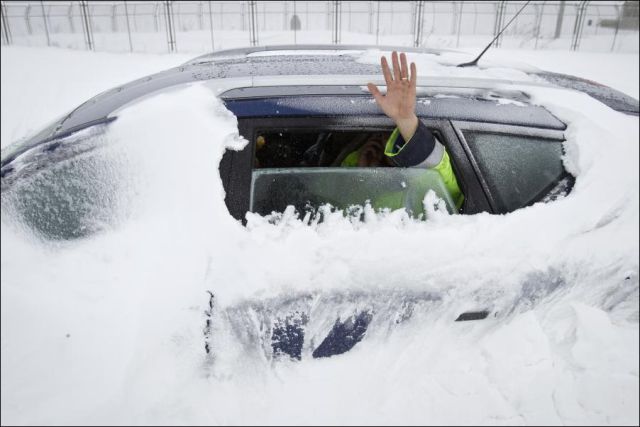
x,y
461,126
236,166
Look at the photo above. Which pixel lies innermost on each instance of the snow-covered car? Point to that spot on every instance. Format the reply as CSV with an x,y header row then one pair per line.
x,y
506,152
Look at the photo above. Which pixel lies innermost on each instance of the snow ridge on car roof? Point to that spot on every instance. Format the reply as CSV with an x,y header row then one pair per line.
x,y
241,52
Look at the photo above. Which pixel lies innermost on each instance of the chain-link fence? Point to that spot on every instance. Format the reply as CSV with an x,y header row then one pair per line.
x,y
189,26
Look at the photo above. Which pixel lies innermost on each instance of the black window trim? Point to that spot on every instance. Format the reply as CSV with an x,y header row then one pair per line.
x,y
475,199
461,126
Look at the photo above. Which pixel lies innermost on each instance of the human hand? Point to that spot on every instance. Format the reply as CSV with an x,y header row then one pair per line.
x,y
400,101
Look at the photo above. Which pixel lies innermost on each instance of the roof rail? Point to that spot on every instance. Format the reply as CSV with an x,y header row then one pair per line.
x,y
243,51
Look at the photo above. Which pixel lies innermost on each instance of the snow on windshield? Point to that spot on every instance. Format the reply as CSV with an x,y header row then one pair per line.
x,y
109,329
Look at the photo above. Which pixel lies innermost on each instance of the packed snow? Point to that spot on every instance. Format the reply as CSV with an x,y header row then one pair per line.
x,y
41,84
109,329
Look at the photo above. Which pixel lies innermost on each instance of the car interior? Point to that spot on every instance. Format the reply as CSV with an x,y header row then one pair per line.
x,y
311,149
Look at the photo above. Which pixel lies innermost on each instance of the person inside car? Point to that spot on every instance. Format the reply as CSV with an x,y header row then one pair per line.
x,y
411,144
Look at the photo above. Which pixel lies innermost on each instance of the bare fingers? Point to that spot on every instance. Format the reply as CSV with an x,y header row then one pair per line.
x,y
396,66
386,71
373,89
404,68
414,74
400,69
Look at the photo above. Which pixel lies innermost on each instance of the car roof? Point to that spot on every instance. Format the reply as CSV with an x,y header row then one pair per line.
x,y
239,68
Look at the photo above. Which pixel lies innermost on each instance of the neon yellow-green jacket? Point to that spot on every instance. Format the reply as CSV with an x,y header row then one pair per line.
x,y
423,150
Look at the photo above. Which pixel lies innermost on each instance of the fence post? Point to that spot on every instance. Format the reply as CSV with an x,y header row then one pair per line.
x,y
498,22
166,27
135,25
285,12
253,23
328,21
337,17
417,39
378,25
454,17
242,12
126,13
582,19
70,16
615,35
459,24
539,15
27,12
475,18
171,35
339,26
333,16
559,20
46,27
114,23
82,23
155,17
577,27
211,26
295,27
6,31
86,27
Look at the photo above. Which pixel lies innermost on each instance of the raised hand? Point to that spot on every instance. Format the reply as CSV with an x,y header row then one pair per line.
x,y
400,101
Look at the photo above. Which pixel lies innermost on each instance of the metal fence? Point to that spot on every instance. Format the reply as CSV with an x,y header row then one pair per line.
x,y
190,26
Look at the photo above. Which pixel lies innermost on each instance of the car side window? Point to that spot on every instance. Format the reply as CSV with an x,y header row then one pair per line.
x,y
307,169
519,170
67,188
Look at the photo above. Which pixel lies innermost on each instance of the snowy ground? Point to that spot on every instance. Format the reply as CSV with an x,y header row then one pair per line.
x,y
109,330
196,41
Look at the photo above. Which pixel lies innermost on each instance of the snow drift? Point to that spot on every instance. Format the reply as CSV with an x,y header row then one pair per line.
x,y
109,329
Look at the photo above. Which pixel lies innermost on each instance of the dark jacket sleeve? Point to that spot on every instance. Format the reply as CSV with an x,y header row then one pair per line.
x,y
411,154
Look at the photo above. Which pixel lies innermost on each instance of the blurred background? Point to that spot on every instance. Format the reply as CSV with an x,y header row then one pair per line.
x,y
196,26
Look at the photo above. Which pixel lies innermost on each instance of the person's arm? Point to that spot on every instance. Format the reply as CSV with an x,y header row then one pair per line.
x,y
411,144
426,152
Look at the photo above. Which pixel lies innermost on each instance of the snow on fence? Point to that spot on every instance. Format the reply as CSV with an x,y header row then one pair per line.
x,y
190,26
